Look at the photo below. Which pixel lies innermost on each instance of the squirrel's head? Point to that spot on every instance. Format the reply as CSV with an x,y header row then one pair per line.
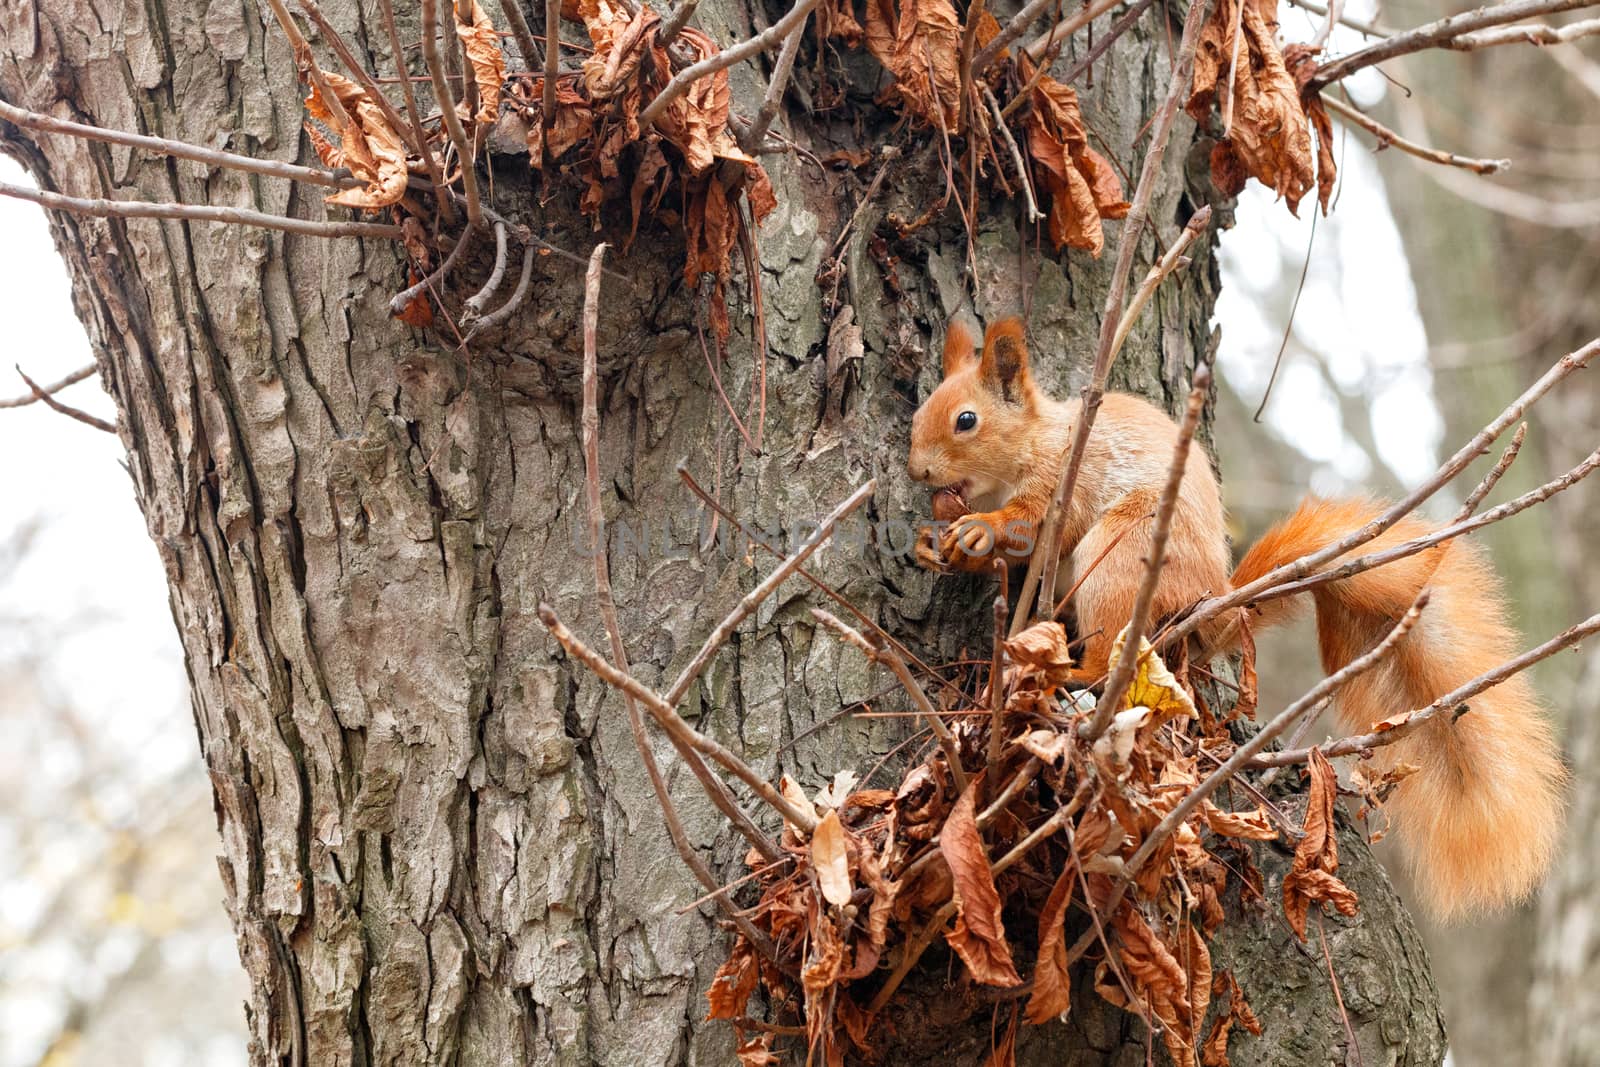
x,y
967,433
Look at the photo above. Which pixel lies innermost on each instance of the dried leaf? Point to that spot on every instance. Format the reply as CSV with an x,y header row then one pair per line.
x,y
1052,987
1043,649
1311,878
757,1052
834,793
1083,187
919,42
734,982
369,146
418,312
979,935
482,46
1245,706
795,795
1252,826
830,858
1004,1054
1153,685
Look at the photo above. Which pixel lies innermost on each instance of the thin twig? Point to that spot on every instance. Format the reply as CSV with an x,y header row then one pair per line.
x,y
521,31
447,106
1299,568
338,118
753,138
143,209
768,38
1034,214
1122,674
44,397
1537,34
1062,30
403,298
1450,702
608,613
674,23
1173,260
1236,32
475,302
1370,29
880,652
32,397
435,175
1508,457
1387,137
1437,34
669,719
1334,16
753,599
1123,24
359,71
271,168
518,297
1094,564
552,69
997,681
1352,1046
1427,541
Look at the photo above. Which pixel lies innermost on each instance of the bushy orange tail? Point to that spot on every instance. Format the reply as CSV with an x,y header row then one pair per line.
x,y
1479,822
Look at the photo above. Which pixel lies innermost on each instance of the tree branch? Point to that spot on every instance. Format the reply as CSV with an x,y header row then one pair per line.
x,y
32,397
768,38
44,397
1387,137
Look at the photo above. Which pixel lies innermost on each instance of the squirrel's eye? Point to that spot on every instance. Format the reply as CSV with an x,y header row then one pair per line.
x,y
966,421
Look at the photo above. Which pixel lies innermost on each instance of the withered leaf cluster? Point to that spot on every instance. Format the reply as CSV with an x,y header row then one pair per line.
x,y
1004,870
1267,118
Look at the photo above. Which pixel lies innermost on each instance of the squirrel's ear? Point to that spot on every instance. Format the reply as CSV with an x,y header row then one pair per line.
x,y
1004,366
958,347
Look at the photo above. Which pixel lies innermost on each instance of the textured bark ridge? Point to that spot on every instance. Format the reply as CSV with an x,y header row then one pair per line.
x,y
437,846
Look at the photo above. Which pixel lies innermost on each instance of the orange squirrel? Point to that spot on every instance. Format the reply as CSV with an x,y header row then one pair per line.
x,y
1478,821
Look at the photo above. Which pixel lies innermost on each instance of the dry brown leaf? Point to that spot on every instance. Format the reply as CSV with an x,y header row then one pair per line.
x,y
1153,685
1043,649
1245,706
830,858
1083,187
1253,826
979,935
482,46
757,1052
919,42
418,312
1269,139
1311,876
369,146
1052,986
1004,1052
734,982
1215,1051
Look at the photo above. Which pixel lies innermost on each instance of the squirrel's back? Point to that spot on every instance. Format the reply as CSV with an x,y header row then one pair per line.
x,y
1480,820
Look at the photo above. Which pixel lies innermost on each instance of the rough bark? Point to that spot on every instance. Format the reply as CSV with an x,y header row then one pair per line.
x,y
436,844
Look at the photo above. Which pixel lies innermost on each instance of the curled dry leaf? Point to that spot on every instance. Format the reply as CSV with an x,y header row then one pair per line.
x,y
1043,652
919,42
1311,877
830,858
482,46
1251,826
1269,138
757,1052
735,980
1052,986
369,146
1083,187
1214,1053
1153,685
979,935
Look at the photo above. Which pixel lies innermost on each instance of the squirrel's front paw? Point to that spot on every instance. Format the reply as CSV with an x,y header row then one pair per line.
x,y
969,542
927,553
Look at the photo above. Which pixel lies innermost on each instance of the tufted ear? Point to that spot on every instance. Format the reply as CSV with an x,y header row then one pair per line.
x,y
1004,366
958,347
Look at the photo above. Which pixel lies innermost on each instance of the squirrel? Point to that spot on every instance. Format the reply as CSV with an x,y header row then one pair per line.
x,y
1478,822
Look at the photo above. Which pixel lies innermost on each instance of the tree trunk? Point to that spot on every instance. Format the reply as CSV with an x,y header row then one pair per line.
x,y
436,843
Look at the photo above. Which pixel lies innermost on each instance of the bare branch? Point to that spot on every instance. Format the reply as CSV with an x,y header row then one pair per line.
x,y
751,600
1157,274
1046,558
1371,29
519,295
447,105
475,303
552,68
767,38
271,168
520,30
400,300
1062,30
753,138
1299,568
1034,214
672,722
142,209
1122,674
880,652
338,118
1507,458
32,397
1536,34
674,23
997,682
1419,544
1387,137
44,397
1441,33
1451,701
